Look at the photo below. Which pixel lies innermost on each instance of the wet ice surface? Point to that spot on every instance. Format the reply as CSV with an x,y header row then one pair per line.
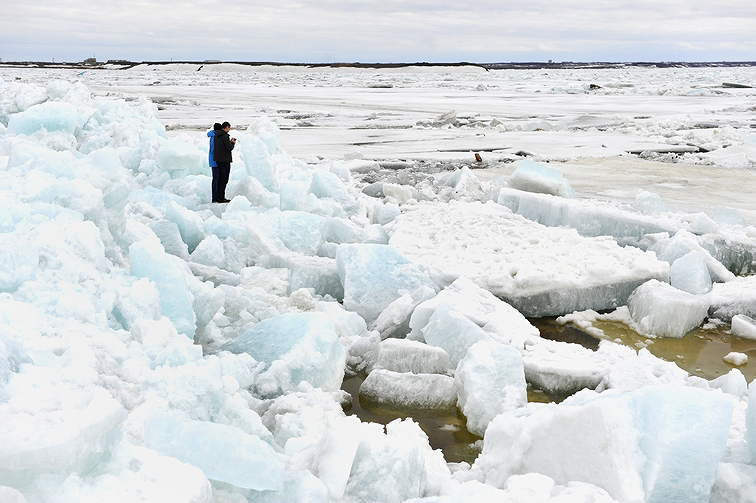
x,y
365,189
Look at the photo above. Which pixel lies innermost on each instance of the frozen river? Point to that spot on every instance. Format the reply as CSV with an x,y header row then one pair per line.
x,y
550,270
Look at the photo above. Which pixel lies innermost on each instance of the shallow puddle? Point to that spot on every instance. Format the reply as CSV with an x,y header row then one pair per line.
x,y
700,353
446,432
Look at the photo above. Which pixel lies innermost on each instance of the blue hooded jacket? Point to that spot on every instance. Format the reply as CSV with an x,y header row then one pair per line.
x,y
211,152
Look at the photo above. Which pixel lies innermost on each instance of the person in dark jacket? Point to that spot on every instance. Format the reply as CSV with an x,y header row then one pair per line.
x,y
211,158
224,144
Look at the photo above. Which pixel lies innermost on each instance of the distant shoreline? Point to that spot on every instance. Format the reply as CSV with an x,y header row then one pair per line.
x,y
534,65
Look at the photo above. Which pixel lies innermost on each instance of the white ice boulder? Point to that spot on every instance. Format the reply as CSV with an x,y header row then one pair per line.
x,y
534,177
744,326
149,260
497,318
450,330
296,230
295,347
750,421
257,161
72,431
490,380
540,271
374,234
256,193
657,444
18,264
733,382
690,273
210,252
560,367
732,298
180,158
409,392
327,185
662,310
50,116
299,485
402,355
385,213
395,318
317,273
374,276
224,453
170,237
190,224
387,468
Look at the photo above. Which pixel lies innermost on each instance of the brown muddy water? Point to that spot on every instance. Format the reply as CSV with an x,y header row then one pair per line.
x,y
699,353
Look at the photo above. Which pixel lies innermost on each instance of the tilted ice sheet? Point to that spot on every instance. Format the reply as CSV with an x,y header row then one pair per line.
x,y
539,270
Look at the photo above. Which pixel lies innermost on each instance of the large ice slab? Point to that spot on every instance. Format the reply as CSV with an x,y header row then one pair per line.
x,y
561,367
495,317
539,270
149,260
534,177
225,453
374,276
750,434
657,444
296,347
662,310
401,355
732,298
690,273
317,273
409,392
72,432
490,380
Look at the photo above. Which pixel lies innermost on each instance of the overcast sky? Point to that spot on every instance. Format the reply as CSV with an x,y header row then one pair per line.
x,y
379,30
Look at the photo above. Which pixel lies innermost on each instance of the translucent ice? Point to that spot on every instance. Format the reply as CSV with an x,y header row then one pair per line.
x,y
561,367
190,225
744,326
50,116
401,355
658,444
374,276
257,194
170,238
180,158
385,213
257,162
690,273
452,331
300,486
149,260
318,273
296,347
72,432
18,264
327,185
750,421
210,252
224,453
662,310
409,392
490,379
534,177
497,318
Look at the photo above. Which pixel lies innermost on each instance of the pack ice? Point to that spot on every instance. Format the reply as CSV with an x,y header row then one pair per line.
x,y
155,346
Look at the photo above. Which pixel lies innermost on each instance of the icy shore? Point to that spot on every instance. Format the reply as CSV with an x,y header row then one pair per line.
x,y
155,346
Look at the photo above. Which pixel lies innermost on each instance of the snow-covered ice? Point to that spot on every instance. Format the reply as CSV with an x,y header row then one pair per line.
x,y
155,346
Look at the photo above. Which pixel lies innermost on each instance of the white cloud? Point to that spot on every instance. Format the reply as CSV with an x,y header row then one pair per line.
x,y
366,30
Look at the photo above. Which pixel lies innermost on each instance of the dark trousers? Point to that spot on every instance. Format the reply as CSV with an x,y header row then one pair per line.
x,y
220,180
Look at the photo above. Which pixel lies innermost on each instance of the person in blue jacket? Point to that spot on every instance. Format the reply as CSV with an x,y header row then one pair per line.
x,y
223,145
211,159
